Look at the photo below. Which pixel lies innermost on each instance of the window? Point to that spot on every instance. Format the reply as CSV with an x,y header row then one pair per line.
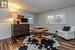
x,y
30,20
51,19
57,19
3,4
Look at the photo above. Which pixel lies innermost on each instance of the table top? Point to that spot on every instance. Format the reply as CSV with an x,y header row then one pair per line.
x,y
39,30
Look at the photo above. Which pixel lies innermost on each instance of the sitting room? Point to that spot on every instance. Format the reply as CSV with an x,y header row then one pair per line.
x,y
37,24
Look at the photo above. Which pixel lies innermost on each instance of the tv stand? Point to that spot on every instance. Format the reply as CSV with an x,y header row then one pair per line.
x,y
20,29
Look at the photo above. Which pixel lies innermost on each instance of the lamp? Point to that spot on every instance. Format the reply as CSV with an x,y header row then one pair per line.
x,y
15,17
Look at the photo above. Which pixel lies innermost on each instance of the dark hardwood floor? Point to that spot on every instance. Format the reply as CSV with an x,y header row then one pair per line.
x,y
66,44
12,43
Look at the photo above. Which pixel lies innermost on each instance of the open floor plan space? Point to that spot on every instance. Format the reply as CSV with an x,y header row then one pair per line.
x,y
37,24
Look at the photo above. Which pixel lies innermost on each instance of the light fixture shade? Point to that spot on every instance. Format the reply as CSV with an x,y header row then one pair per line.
x,y
14,15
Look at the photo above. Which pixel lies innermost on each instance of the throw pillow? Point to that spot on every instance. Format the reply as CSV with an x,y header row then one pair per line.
x,y
66,28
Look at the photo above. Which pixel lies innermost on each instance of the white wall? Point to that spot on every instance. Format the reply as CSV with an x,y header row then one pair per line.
x,y
5,27
5,30
69,14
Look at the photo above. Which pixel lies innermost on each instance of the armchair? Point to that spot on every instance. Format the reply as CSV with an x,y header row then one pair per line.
x,y
67,34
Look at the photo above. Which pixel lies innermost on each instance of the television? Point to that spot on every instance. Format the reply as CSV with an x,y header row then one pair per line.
x,y
24,20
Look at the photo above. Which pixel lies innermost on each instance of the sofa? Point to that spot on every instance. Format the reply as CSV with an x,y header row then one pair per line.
x,y
68,32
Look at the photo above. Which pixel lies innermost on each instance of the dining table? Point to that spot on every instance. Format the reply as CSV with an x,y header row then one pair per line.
x,y
38,32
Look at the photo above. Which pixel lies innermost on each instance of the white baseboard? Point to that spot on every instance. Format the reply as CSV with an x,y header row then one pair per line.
x,y
4,37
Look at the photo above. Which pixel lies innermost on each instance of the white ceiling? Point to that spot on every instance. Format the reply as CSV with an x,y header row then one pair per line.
x,y
37,6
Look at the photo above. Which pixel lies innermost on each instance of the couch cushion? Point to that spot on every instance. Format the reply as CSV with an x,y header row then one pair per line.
x,y
66,28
